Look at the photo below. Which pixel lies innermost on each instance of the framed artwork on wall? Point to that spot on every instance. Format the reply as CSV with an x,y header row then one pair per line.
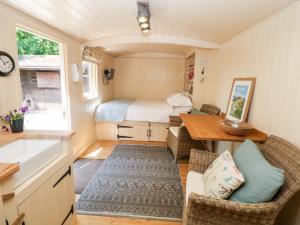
x,y
240,99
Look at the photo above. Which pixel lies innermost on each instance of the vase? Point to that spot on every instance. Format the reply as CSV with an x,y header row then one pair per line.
x,y
17,126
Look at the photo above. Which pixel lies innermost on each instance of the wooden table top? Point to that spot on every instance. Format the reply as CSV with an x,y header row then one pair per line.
x,y
207,127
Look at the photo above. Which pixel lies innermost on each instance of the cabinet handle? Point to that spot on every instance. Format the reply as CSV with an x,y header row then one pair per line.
x,y
122,136
149,133
68,172
19,220
8,196
68,215
122,126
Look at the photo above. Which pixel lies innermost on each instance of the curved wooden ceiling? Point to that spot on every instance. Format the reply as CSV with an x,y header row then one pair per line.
x,y
112,24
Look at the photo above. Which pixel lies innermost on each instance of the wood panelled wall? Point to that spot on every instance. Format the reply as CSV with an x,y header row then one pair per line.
x,y
268,51
148,77
10,87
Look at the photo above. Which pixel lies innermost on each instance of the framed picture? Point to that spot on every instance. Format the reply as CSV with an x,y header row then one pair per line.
x,y
240,99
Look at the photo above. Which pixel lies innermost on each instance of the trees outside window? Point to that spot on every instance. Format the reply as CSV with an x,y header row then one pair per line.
x,y
30,44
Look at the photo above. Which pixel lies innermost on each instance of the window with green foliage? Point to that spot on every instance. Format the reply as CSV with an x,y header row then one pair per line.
x,y
30,44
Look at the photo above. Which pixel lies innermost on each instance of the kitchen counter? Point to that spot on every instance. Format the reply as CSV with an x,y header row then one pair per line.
x,y
7,137
8,169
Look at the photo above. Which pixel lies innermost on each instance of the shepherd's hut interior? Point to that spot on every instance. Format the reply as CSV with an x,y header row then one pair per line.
x,y
153,112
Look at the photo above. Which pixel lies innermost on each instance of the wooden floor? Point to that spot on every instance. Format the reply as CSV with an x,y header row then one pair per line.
x,y
101,150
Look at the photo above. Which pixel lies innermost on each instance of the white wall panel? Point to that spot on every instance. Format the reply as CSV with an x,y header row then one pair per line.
x,y
268,51
149,78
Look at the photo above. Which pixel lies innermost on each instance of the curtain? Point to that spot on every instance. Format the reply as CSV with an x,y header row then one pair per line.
x,y
91,54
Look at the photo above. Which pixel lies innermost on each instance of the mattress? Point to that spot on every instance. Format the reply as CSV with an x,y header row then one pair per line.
x,y
112,111
142,110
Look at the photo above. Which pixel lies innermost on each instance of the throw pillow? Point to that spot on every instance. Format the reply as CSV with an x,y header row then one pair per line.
x,y
222,177
262,179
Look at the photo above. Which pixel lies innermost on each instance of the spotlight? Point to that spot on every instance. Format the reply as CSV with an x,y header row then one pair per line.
x,y
146,30
144,25
142,19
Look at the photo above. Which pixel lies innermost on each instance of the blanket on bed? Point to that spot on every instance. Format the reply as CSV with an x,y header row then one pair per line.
x,y
113,111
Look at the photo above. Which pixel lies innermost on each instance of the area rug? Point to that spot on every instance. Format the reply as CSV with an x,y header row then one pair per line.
x,y
135,181
84,170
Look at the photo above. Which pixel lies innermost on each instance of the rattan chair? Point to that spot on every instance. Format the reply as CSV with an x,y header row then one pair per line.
x,y
179,139
203,210
210,109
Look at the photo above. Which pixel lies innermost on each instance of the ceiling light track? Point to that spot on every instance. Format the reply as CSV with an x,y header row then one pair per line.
x,y
143,16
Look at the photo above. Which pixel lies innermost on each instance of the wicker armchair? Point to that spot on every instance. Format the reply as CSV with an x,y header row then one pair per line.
x,y
210,109
203,210
181,143
179,139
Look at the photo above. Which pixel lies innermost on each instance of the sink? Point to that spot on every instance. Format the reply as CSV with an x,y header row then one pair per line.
x,y
31,154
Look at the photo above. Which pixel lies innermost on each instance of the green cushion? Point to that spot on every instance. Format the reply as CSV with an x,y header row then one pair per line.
x,y
262,180
197,112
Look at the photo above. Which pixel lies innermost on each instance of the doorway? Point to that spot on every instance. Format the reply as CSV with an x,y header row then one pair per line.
x,y
43,86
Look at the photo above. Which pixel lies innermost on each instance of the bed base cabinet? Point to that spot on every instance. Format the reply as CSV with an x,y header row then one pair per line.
x,y
132,131
159,132
135,131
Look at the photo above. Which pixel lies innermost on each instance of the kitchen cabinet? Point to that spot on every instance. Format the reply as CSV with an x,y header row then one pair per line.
x,y
41,192
52,202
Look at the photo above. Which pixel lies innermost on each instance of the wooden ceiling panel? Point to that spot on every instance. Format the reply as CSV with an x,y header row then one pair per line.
x,y
207,23
124,49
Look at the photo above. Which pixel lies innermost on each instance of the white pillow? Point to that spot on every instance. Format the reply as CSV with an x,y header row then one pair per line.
x,y
176,110
222,177
179,99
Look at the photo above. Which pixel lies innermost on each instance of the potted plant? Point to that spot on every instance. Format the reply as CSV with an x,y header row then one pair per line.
x,y
15,119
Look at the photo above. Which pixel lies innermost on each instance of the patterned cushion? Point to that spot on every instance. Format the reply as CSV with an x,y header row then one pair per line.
x,y
222,177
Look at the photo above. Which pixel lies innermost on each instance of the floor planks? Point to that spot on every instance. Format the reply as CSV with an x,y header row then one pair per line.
x,y
101,220
101,150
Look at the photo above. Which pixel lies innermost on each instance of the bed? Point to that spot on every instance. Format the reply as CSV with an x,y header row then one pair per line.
x,y
139,120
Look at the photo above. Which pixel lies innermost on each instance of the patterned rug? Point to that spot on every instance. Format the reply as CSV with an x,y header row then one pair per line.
x,y
84,170
137,181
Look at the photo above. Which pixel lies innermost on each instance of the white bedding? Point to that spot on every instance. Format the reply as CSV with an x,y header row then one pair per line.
x,y
141,110
149,111
156,111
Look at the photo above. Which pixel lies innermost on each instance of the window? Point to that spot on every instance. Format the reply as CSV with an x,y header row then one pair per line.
x,y
42,79
90,79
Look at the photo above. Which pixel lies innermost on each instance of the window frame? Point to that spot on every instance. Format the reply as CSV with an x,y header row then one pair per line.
x,y
93,81
63,49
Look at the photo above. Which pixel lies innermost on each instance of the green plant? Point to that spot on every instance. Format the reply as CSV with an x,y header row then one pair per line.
x,y
30,44
13,115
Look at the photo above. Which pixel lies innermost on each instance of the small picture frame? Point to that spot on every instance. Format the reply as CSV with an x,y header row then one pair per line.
x,y
240,99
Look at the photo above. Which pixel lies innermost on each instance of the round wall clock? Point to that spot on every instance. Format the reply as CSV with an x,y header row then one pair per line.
x,y
7,64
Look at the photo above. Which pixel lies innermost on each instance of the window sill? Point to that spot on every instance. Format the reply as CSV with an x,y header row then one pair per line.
x,y
90,98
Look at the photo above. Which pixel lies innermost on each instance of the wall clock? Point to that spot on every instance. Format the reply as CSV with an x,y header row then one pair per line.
x,y
7,64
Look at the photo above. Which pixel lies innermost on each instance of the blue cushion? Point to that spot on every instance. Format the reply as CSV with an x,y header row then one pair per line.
x,y
262,180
